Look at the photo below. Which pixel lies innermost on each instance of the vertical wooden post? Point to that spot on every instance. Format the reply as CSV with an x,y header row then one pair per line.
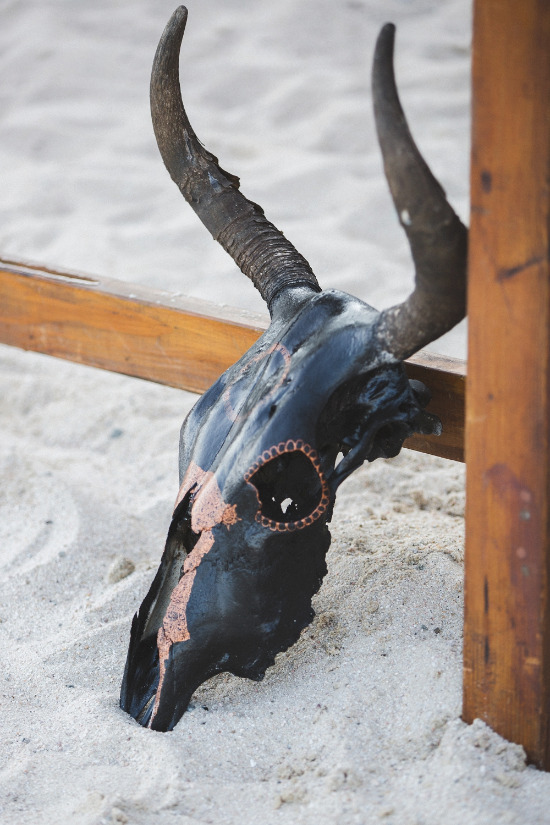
x,y
507,608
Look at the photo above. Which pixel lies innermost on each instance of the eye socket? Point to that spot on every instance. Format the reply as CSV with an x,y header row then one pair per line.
x,y
291,489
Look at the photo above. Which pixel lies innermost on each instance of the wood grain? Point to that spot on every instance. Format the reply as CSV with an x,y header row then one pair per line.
x,y
507,622
446,380
182,342
122,327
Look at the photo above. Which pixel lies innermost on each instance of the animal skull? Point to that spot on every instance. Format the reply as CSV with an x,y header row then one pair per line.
x,y
246,547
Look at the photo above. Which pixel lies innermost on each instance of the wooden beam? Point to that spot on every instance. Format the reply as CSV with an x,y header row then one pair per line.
x,y
122,327
182,342
446,379
507,621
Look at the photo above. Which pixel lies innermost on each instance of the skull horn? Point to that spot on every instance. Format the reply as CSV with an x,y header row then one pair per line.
x,y
257,247
437,237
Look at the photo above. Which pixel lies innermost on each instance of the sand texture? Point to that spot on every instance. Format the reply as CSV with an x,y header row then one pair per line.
x,y
359,722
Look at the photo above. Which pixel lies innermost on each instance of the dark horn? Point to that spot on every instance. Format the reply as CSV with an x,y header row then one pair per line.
x,y
437,237
257,247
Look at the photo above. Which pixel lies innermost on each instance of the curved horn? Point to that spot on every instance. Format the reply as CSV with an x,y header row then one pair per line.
x,y
437,237
257,247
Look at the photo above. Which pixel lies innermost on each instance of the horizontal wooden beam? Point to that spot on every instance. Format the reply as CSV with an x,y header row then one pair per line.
x,y
446,380
182,342
122,327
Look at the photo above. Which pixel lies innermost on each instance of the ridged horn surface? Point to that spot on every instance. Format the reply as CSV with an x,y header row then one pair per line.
x,y
437,237
259,249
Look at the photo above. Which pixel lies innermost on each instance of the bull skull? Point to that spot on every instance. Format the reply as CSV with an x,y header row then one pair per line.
x,y
259,451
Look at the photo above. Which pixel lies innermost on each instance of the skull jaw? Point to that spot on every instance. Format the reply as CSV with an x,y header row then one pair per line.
x,y
238,619
191,663
187,668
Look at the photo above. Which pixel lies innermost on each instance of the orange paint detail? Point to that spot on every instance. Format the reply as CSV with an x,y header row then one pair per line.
x,y
290,446
210,509
194,476
229,516
207,510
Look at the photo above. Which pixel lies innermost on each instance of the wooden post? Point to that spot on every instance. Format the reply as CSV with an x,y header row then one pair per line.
x,y
507,621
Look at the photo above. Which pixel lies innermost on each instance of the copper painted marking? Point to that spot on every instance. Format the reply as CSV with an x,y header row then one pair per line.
x,y
194,476
290,446
207,510
231,413
210,509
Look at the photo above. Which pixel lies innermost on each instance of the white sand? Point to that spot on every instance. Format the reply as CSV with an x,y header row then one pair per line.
x,y
359,722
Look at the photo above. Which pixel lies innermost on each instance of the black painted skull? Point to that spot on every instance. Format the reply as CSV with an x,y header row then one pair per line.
x,y
263,452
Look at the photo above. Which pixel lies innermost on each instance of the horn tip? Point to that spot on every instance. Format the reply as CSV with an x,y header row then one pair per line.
x,y
386,38
179,18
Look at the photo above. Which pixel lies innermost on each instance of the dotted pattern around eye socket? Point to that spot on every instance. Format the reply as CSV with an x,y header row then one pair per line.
x,y
290,446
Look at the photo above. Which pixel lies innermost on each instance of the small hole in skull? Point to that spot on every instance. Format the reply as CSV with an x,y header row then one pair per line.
x,y
289,487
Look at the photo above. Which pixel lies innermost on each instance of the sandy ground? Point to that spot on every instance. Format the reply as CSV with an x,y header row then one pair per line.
x,y
360,721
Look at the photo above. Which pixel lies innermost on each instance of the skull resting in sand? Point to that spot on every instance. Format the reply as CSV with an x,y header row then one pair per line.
x,y
259,466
